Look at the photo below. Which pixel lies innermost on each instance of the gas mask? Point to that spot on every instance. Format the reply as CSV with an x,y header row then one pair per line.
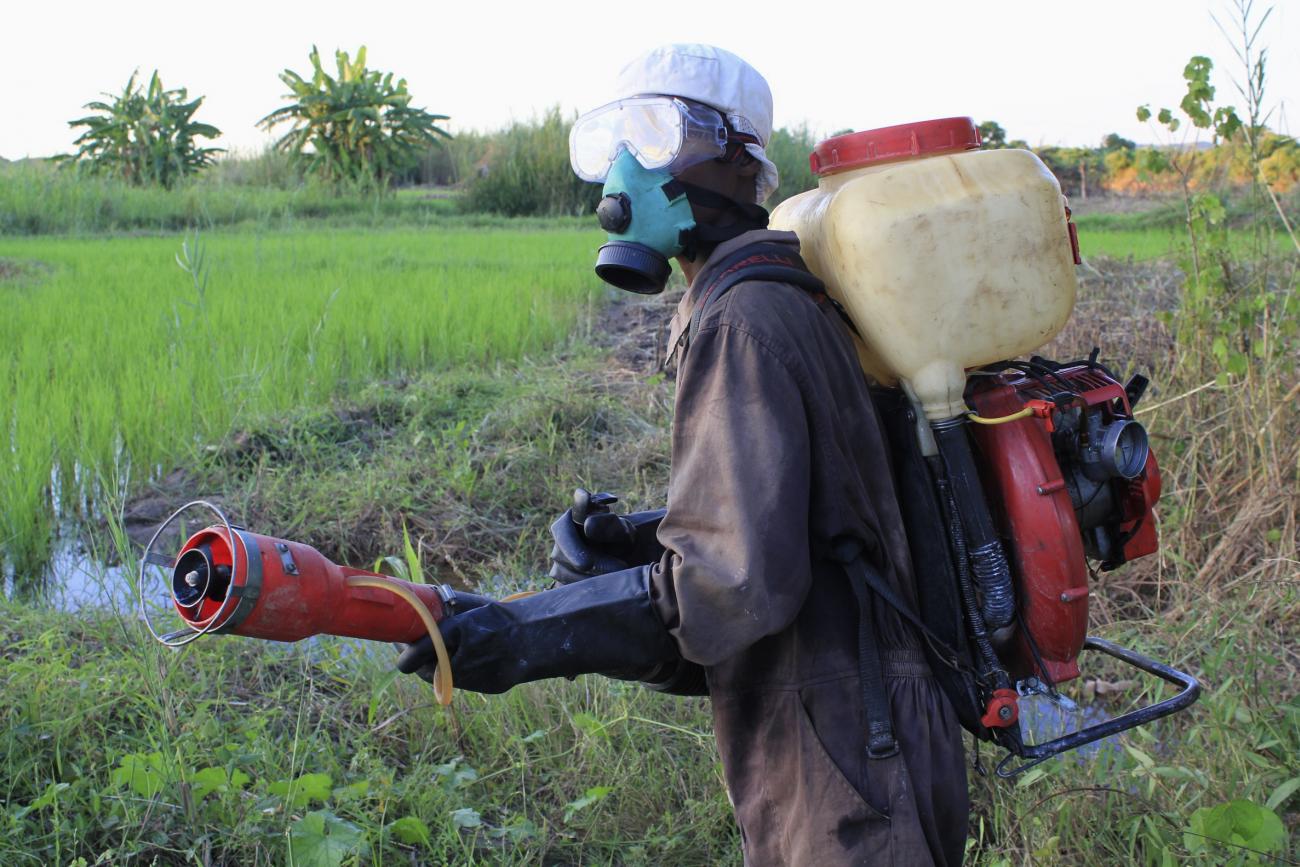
x,y
649,220
635,146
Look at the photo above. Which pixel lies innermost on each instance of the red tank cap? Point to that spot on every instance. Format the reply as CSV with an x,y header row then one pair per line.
x,y
887,144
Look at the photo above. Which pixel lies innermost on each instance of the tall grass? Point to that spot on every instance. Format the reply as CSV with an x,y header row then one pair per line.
x,y
38,200
114,361
120,752
1218,784
1220,599
267,167
1098,238
526,171
110,747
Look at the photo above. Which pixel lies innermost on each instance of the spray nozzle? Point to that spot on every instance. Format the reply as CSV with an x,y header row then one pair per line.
x,y
196,577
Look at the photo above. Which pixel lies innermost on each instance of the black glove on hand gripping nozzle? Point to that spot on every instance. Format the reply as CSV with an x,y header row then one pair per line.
x,y
607,626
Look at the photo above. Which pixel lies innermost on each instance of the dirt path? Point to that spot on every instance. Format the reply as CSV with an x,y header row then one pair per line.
x,y
635,328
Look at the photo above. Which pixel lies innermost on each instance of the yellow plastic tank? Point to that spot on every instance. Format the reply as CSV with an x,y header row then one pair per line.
x,y
946,257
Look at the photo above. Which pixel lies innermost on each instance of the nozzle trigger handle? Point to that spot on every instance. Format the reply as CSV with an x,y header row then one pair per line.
x,y
586,503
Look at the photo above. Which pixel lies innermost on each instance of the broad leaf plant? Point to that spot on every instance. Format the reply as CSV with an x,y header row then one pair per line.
x,y
144,135
357,126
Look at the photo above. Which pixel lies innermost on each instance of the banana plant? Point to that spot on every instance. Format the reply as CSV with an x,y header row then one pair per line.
x,y
145,135
355,126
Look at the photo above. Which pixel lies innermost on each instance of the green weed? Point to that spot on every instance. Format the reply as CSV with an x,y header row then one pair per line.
x,y
247,753
469,466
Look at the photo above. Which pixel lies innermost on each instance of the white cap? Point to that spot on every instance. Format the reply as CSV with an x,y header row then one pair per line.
x,y
717,78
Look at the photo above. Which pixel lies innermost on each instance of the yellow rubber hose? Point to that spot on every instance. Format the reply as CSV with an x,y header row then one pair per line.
x,y
522,594
1015,416
441,677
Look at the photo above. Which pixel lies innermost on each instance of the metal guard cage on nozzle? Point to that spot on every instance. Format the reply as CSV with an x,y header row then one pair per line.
x,y
227,615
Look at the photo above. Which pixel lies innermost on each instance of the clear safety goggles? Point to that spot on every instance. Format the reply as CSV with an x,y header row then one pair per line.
x,y
662,132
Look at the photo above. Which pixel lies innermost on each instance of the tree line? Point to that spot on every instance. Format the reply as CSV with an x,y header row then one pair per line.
x,y
1120,166
356,127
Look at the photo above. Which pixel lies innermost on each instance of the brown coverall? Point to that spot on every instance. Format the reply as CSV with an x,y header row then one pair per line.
x,y
777,450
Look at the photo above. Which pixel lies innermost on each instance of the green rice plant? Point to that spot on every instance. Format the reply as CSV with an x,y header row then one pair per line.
x,y
1097,238
35,200
117,364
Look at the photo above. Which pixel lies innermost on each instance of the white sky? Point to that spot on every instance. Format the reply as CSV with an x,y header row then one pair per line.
x,y
1050,72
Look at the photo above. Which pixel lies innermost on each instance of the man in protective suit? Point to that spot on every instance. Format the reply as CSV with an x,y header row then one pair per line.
x,y
838,745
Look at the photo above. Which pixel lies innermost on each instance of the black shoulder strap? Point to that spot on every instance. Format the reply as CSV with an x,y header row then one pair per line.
x,y
764,260
867,583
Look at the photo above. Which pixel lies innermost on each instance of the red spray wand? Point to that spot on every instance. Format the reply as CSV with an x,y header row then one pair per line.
x,y
227,580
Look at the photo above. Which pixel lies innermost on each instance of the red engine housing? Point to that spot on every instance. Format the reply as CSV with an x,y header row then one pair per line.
x,y
1029,495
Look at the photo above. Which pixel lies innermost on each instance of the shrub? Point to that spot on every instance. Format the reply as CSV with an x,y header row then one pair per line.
x,y
266,168
525,171
449,163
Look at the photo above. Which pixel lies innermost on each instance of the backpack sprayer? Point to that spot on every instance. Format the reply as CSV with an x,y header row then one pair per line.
x,y
949,260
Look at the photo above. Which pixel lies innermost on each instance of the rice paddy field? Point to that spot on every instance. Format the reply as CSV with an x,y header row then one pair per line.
x,y
363,374
122,353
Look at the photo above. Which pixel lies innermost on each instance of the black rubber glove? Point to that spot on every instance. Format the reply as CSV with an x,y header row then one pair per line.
x,y
590,540
607,626
453,602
